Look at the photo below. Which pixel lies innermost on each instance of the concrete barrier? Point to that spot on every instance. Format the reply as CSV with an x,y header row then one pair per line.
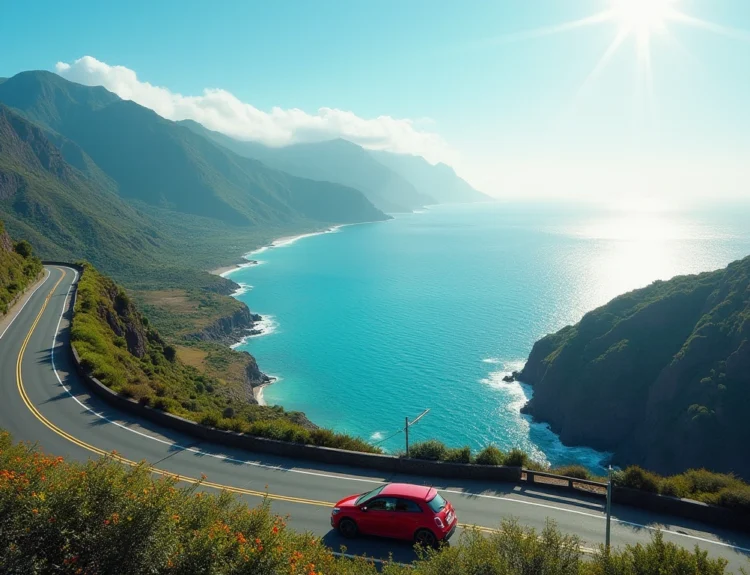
x,y
685,508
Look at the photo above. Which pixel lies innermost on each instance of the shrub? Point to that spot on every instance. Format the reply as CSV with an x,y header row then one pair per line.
x,y
459,455
23,249
490,455
676,486
735,498
655,558
516,458
576,471
637,478
209,419
432,450
704,481
228,413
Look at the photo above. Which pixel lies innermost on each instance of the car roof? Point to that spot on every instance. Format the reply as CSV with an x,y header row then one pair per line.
x,y
421,492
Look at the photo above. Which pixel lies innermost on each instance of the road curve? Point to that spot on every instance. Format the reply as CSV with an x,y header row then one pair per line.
x,y
43,400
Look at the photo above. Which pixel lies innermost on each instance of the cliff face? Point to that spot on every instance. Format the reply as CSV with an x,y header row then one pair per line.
x,y
660,376
229,329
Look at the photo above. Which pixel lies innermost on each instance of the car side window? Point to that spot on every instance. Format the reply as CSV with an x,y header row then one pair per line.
x,y
408,506
382,504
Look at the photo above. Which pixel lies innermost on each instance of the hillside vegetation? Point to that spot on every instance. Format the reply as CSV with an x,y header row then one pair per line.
x,y
660,376
18,268
337,161
119,347
101,517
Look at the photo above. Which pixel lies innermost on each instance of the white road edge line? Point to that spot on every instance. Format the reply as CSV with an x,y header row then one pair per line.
x,y
343,477
28,299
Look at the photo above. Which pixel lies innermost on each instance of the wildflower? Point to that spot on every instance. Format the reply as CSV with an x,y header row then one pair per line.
x,y
240,538
35,511
275,530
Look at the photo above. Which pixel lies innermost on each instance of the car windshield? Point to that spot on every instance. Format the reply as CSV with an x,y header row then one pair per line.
x,y
369,495
437,503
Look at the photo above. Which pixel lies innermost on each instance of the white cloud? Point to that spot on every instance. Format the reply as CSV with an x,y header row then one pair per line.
x,y
221,111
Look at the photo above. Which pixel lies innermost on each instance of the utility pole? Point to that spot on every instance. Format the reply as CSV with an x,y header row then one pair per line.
x,y
609,507
408,424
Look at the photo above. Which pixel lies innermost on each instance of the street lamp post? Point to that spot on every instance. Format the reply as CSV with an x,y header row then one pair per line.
x,y
609,507
408,424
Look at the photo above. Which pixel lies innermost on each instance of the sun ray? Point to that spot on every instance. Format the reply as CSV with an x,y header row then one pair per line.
x,y
622,35
734,33
600,18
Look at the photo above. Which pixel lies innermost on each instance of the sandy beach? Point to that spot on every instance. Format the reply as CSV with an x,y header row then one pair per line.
x,y
258,391
225,269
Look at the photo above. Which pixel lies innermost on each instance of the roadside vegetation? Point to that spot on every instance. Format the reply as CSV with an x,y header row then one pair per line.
x,y
721,489
18,268
103,517
118,346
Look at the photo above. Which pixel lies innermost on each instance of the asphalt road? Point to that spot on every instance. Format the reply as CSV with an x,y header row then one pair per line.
x,y
43,400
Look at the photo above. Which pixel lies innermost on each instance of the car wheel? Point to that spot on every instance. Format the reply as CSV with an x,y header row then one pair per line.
x,y
425,538
348,528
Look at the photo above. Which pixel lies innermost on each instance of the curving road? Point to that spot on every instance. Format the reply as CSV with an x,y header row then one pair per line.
x,y
42,400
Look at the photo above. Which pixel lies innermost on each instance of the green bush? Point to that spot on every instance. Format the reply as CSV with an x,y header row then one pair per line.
x,y
636,478
704,481
516,458
459,455
735,498
210,419
432,450
676,486
490,455
576,471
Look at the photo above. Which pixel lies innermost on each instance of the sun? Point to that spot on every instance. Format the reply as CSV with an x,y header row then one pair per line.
x,y
642,17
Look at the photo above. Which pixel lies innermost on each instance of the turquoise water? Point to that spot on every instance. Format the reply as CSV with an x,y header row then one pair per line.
x,y
377,322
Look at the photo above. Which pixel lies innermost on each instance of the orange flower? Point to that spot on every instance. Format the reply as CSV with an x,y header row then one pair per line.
x,y
241,538
275,530
35,511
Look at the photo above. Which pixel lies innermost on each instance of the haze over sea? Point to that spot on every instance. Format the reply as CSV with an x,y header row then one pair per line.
x,y
376,322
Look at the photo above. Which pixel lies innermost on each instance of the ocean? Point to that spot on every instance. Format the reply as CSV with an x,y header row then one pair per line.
x,y
369,324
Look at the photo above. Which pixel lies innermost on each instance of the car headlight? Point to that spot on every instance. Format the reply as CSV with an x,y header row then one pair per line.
x,y
335,510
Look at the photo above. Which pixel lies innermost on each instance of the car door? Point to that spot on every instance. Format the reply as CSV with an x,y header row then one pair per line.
x,y
410,517
378,517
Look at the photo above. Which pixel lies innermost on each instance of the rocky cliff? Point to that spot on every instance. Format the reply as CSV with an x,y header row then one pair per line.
x,y
660,376
229,329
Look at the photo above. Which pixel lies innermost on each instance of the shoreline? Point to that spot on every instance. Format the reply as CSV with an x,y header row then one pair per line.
x,y
258,390
283,241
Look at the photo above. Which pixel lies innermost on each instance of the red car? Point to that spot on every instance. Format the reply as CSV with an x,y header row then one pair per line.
x,y
398,510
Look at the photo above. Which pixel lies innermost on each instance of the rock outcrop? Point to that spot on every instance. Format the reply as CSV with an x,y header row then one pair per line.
x,y
229,329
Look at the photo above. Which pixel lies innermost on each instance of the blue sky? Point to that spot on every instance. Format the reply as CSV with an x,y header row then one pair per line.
x,y
508,112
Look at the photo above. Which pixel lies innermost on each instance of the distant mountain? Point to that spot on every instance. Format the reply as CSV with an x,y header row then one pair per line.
x,y
660,375
337,161
437,181
158,162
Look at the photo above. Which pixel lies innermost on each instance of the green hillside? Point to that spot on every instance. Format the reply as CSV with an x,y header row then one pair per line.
x,y
337,161
660,376
18,268
438,181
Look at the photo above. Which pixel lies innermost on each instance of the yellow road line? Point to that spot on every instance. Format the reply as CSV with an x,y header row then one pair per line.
x,y
193,480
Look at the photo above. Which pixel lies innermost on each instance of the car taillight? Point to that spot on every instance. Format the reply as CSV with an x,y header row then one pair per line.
x,y
335,510
439,523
